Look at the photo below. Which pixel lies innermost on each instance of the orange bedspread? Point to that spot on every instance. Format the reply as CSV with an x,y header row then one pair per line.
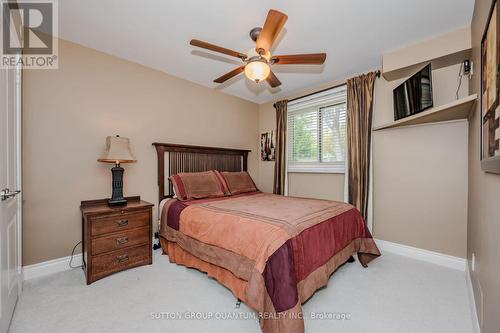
x,y
272,251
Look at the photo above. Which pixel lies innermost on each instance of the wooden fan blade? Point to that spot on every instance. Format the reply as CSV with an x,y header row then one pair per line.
x,y
220,49
298,59
273,80
274,23
229,75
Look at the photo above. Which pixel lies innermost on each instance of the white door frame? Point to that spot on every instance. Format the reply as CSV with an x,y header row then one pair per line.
x,y
19,124
13,108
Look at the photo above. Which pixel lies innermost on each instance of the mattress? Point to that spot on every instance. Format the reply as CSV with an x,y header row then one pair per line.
x,y
273,252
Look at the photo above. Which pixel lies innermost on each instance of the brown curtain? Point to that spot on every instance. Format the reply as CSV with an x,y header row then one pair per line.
x,y
280,152
359,130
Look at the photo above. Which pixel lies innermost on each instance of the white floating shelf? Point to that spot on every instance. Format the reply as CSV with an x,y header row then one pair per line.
x,y
441,51
459,109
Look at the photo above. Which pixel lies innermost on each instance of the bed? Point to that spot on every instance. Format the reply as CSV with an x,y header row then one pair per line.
x,y
273,252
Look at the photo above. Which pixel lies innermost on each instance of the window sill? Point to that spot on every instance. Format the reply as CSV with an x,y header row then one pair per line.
x,y
315,170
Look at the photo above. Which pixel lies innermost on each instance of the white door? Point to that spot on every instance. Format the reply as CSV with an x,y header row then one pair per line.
x,y
10,199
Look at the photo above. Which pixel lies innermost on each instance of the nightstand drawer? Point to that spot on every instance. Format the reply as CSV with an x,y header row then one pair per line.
x,y
120,240
105,264
118,222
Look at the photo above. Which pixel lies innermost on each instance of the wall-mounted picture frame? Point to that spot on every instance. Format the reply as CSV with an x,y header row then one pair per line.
x,y
267,146
490,97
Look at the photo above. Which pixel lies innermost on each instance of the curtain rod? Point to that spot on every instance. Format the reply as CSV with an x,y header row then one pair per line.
x,y
377,74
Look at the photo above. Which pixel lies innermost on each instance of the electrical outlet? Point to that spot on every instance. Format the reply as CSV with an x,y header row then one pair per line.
x,y
473,262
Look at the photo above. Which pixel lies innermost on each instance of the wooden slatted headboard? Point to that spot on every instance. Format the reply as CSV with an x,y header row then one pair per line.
x,y
186,158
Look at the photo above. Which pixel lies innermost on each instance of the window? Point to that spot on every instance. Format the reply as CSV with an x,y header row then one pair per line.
x,y
317,132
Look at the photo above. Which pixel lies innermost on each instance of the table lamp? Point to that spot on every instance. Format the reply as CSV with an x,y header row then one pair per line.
x,y
117,151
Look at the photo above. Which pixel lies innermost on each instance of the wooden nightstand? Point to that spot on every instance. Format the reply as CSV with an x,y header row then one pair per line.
x,y
115,238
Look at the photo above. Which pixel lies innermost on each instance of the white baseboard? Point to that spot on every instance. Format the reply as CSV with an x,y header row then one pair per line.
x,y
421,254
62,264
50,267
472,302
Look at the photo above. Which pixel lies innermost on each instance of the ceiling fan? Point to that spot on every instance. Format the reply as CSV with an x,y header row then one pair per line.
x,y
257,61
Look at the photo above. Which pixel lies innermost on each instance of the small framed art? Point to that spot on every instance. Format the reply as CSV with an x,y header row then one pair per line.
x,y
267,146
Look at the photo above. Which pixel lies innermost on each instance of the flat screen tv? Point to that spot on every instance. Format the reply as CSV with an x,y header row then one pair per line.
x,y
414,95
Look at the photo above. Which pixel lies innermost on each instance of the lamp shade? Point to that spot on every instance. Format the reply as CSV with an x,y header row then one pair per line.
x,y
117,151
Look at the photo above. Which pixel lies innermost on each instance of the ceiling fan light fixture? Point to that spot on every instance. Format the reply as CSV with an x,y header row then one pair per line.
x,y
257,61
257,70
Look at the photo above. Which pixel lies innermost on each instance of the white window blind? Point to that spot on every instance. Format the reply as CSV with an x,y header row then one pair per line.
x,y
317,130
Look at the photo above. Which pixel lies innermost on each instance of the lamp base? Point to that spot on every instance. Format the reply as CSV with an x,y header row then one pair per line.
x,y
118,202
117,198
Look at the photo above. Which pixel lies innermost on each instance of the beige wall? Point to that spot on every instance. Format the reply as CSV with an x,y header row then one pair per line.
x,y
484,197
419,175
419,182
69,112
328,186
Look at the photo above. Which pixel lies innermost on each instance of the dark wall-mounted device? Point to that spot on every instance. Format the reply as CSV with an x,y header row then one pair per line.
x,y
467,66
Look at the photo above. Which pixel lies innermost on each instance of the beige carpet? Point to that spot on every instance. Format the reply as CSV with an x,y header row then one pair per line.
x,y
394,294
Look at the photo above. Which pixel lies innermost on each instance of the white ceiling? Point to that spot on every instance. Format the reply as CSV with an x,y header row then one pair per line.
x,y
353,33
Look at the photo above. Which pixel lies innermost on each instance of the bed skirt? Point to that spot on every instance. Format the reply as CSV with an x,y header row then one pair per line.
x,y
289,321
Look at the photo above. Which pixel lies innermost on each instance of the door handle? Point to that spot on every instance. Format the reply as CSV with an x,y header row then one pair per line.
x,y
6,194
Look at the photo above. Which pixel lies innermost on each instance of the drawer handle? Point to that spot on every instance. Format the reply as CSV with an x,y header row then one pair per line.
x,y
121,240
122,223
122,258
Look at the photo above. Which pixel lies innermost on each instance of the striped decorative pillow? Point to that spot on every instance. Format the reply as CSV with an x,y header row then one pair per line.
x,y
238,182
223,182
197,185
